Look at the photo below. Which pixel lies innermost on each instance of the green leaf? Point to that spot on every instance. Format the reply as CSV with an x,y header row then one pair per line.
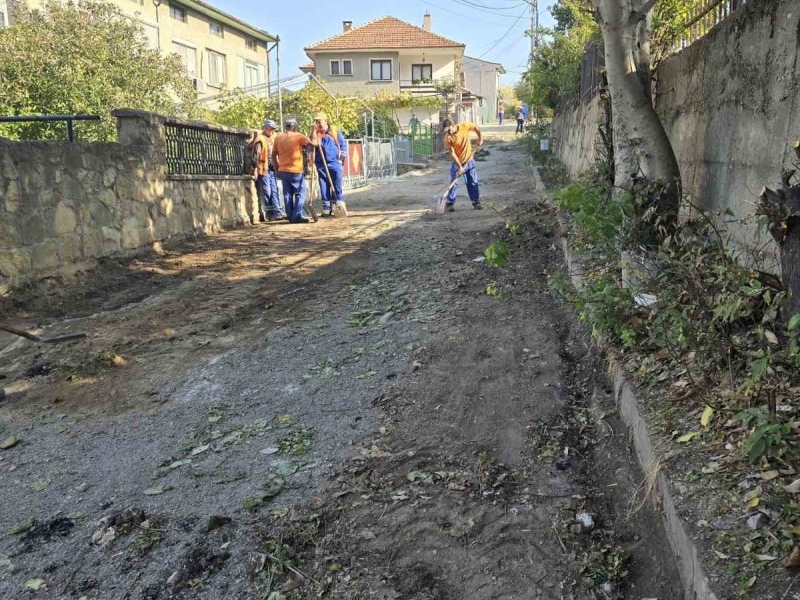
x,y
35,584
416,476
8,443
758,368
687,437
157,490
794,322
757,448
705,419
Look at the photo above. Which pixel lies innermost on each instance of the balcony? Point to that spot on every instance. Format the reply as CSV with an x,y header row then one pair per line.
x,y
423,87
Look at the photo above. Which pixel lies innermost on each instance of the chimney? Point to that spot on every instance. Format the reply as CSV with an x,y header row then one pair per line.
x,y
346,26
426,21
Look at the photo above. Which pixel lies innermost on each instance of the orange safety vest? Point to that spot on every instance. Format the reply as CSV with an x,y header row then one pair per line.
x,y
262,165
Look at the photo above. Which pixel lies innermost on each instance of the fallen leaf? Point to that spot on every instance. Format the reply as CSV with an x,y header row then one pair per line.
x,y
754,503
706,418
399,496
35,584
274,486
721,555
279,512
283,420
766,557
688,437
8,443
754,493
201,449
750,582
270,450
164,470
771,337
159,489
40,485
794,487
23,527
367,375
416,476
251,502
793,560
770,475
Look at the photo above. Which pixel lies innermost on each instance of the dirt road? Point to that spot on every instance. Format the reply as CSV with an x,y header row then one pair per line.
x,y
330,410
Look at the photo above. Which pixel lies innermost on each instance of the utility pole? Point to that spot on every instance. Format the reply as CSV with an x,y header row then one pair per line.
x,y
534,4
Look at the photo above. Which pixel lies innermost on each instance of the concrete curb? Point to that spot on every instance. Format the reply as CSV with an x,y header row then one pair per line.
x,y
696,584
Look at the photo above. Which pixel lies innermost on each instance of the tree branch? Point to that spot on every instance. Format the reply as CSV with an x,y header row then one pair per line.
x,y
642,7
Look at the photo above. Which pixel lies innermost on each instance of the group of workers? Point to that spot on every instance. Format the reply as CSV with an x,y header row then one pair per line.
x,y
285,156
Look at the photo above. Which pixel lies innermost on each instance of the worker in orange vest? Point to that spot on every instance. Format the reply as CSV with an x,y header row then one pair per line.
x,y
288,160
269,204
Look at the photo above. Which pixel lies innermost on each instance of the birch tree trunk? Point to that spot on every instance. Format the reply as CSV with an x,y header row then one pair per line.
x,y
641,146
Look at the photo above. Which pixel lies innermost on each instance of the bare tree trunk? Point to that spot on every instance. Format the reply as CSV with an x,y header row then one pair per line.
x,y
641,146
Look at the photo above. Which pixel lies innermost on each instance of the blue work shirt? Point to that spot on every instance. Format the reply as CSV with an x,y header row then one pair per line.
x,y
524,110
331,150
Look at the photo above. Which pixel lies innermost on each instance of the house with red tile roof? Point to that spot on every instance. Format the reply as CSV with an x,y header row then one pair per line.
x,y
387,55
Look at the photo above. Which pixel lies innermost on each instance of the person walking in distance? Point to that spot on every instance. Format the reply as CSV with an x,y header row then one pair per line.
x,y
500,112
520,121
330,158
287,155
269,205
457,141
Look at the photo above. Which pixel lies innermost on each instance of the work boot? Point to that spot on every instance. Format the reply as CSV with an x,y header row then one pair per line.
x,y
302,220
326,214
477,205
449,207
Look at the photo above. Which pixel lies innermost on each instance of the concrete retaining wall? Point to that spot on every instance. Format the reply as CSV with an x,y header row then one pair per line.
x,y
730,104
63,205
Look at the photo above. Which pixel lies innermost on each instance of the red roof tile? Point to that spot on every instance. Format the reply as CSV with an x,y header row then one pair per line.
x,y
386,32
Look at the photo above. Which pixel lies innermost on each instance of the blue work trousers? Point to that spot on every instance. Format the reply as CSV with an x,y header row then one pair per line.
x,y
470,176
331,194
294,195
269,203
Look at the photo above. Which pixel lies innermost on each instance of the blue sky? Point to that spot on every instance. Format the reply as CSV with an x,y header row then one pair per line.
x,y
496,34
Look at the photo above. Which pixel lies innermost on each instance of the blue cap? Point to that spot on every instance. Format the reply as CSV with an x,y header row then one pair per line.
x,y
270,123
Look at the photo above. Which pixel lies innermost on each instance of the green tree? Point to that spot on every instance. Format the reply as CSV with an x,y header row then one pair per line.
x,y
84,58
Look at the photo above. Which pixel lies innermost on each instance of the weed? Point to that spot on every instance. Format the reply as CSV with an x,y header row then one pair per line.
x,y
497,254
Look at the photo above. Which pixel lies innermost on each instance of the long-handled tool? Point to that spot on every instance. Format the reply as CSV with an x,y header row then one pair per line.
x,y
341,207
35,338
443,198
309,205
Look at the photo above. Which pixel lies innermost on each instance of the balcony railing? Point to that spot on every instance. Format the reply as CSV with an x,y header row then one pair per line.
x,y
419,87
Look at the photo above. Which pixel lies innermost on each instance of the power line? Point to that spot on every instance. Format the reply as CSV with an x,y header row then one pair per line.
x,y
501,38
483,10
476,5
470,17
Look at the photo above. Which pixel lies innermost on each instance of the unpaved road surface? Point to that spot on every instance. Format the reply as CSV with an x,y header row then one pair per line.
x,y
333,410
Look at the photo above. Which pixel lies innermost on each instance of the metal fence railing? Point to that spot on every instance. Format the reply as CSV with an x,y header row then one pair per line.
x,y
68,119
704,15
379,158
202,150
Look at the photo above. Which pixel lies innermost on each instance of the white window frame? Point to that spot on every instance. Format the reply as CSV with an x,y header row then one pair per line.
x,y
221,33
196,72
224,82
149,23
338,64
347,60
183,12
391,69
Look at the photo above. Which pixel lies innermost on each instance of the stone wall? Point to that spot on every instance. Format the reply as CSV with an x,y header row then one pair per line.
x,y
574,134
730,103
63,205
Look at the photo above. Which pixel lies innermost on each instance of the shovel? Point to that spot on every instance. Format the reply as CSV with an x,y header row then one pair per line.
x,y
35,338
443,198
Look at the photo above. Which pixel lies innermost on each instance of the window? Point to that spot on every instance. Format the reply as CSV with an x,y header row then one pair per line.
x,y
252,77
380,70
188,57
421,73
215,29
347,67
177,13
216,68
250,44
335,67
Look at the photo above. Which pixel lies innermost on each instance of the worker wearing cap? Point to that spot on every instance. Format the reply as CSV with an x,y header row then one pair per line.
x,y
287,157
330,158
457,142
269,205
